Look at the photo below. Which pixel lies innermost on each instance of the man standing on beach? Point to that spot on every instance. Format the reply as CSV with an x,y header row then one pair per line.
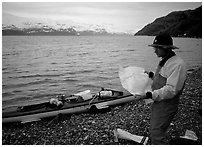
x,y
168,83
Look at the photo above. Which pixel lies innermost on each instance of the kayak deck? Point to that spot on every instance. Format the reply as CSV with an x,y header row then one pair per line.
x,y
45,109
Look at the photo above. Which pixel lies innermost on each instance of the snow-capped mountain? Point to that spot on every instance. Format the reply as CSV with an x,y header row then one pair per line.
x,y
14,25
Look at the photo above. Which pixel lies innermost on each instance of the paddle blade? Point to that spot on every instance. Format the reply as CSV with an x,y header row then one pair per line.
x,y
119,133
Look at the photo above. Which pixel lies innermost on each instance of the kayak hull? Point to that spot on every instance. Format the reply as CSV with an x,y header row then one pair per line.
x,y
39,116
44,111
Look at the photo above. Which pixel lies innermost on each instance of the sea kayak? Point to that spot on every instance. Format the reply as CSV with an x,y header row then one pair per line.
x,y
76,103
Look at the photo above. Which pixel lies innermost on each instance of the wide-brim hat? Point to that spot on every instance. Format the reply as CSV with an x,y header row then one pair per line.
x,y
163,41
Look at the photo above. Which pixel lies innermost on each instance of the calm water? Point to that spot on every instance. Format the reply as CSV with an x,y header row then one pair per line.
x,y
38,68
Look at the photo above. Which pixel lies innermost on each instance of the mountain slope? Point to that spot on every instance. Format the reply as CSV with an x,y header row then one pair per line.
x,y
179,23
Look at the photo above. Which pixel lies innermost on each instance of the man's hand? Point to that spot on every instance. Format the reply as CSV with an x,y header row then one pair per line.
x,y
149,73
139,97
147,95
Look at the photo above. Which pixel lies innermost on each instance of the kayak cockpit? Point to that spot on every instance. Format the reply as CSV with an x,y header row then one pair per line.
x,y
32,107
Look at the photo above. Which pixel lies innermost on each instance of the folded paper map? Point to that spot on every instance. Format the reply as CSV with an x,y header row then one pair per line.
x,y
135,80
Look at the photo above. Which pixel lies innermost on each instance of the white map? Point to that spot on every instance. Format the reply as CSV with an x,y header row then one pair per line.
x,y
134,80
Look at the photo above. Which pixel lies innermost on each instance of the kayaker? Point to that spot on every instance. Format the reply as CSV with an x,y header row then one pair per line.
x,y
168,83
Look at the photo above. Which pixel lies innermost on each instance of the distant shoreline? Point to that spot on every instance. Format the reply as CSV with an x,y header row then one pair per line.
x,y
109,35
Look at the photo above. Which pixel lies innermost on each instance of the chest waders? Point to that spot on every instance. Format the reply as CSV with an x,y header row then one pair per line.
x,y
162,112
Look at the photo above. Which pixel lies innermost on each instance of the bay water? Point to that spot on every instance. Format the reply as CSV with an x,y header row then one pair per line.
x,y
37,68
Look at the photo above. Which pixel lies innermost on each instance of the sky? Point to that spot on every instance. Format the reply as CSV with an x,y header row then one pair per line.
x,y
123,16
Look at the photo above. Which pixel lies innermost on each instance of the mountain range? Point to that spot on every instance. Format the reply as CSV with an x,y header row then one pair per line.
x,y
186,23
44,30
15,25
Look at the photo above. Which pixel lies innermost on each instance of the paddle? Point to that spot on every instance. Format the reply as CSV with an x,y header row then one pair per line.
x,y
95,96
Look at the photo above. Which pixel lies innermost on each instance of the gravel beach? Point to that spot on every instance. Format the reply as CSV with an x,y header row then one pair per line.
x,y
97,129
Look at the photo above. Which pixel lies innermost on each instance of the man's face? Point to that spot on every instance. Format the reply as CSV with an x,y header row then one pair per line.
x,y
159,52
